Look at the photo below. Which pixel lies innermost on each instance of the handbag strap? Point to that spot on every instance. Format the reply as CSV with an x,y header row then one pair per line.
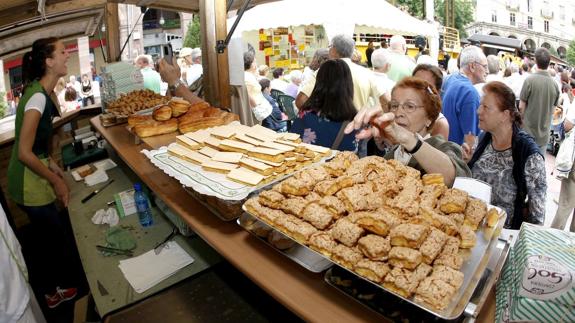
x,y
339,136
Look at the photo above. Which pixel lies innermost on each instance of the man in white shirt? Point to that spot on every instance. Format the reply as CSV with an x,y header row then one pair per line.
x,y
278,83
17,301
381,64
364,85
196,70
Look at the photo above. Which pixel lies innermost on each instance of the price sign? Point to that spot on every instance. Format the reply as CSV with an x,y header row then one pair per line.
x,y
545,278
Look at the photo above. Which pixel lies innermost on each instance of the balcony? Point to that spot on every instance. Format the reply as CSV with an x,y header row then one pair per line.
x,y
512,5
547,13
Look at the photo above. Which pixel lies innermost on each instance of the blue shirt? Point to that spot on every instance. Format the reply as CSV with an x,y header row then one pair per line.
x,y
318,130
460,103
274,122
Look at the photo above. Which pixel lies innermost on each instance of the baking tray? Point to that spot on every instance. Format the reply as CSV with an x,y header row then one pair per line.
x,y
400,310
235,206
473,267
306,257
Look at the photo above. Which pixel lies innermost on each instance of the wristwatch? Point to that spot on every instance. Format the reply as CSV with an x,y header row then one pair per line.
x,y
174,86
416,147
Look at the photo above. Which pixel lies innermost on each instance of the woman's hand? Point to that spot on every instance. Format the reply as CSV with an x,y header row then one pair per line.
x,y
61,190
467,152
55,168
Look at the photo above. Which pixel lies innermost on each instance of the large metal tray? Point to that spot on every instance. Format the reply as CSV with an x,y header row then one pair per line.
x,y
399,310
307,258
473,267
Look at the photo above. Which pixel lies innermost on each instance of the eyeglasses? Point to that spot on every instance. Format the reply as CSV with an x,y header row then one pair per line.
x,y
408,107
482,65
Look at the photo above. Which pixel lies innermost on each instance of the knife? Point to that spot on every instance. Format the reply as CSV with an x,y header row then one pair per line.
x,y
91,195
160,246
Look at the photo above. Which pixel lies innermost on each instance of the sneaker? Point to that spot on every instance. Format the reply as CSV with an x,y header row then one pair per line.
x,y
60,296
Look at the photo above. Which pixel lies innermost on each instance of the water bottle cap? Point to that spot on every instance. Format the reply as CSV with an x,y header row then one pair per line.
x,y
138,187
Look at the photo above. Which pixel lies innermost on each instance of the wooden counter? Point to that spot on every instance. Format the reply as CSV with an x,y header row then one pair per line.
x,y
301,291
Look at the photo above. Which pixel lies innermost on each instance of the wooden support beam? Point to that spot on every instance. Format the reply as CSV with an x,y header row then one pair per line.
x,y
216,71
112,32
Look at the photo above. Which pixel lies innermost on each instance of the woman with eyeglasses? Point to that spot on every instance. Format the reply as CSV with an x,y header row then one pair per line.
x,y
508,159
413,109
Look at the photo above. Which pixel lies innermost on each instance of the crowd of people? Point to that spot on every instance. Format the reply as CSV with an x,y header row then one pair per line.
x,y
484,117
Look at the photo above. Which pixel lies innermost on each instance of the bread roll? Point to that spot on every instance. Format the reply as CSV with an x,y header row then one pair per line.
x,y
155,129
135,119
163,113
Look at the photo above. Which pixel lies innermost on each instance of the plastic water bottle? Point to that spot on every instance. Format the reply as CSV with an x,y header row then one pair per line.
x,y
143,207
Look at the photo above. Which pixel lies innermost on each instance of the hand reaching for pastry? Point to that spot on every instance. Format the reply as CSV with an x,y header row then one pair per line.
x,y
170,73
373,122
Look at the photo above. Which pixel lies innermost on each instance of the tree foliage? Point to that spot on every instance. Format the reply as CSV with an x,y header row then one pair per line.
x,y
3,105
571,53
463,12
192,38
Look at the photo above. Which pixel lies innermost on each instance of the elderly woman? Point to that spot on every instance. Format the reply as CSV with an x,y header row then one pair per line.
x,y
329,108
257,102
414,107
432,74
508,159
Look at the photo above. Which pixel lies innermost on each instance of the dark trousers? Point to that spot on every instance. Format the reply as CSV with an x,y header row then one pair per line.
x,y
57,261
85,100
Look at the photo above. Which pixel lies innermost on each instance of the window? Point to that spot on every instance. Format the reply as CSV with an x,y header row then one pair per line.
x,y
530,22
546,26
512,19
493,16
562,12
529,6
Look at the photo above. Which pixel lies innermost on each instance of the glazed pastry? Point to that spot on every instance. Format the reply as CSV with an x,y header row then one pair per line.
x,y
162,113
158,128
179,106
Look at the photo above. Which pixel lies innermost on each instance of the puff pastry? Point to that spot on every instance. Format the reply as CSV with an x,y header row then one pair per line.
x,y
372,270
405,257
453,201
432,246
271,199
294,186
449,275
346,232
374,247
475,211
293,205
408,235
354,197
434,293
162,113
346,256
317,215
333,205
468,237
379,222
404,281
433,179
443,223
322,242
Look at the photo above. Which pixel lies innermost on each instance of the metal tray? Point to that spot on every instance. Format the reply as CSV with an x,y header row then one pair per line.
x,y
400,310
307,258
473,267
214,209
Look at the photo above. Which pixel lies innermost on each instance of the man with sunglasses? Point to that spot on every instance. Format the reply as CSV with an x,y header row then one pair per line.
x,y
461,99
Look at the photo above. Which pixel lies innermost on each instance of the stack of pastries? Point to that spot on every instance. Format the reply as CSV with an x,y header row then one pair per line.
x,y
179,114
135,101
382,220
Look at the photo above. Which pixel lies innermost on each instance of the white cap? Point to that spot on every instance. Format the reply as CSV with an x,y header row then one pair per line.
x,y
196,52
185,51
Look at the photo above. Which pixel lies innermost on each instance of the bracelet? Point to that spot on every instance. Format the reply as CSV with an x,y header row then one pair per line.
x,y
416,148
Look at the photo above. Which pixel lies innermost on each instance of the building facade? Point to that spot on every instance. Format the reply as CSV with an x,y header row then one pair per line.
x,y
537,23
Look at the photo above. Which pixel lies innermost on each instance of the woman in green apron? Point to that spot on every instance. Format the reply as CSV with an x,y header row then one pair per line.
x,y
35,181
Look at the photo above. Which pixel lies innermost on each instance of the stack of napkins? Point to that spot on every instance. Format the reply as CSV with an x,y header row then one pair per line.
x,y
147,270
96,177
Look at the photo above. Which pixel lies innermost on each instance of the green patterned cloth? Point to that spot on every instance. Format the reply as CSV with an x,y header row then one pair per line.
x,y
537,281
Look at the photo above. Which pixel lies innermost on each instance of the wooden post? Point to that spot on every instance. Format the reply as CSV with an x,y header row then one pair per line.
x,y
112,32
216,71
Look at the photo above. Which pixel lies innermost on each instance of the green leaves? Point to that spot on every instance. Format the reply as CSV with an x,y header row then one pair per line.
x,y
192,38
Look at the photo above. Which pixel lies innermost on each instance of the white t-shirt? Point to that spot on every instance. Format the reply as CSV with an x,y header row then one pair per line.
x,y
14,295
36,102
278,84
193,73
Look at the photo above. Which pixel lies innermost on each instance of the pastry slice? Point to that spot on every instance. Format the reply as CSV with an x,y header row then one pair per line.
x,y
198,136
492,217
253,206
379,222
227,157
468,237
443,223
372,270
218,167
333,205
434,293
346,232
449,256
273,155
354,197
433,179
317,215
430,195
432,246
235,146
302,232
314,197
322,242
212,142
257,166
271,199
326,187
278,146
404,257
475,211
346,256
223,132
449,275
453,201
245,176
187,142
317,149
208,151
408,235
294,205
374,247
246,139
175,149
